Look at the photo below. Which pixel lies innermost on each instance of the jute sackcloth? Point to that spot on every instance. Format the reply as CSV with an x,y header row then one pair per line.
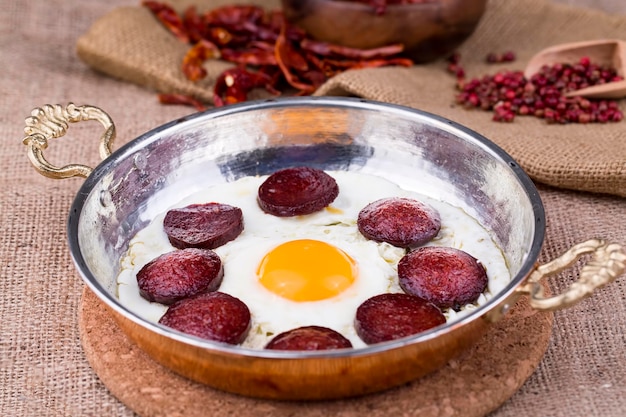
x,y
131,45
43,370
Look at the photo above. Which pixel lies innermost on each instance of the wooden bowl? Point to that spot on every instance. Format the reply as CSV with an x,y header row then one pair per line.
x,y
605,52
428,30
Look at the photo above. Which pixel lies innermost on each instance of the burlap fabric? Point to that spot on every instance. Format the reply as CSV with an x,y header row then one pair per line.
x,y
131,45
43,371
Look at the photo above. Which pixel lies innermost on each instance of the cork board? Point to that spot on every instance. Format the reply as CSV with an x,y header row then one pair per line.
x,y
472,385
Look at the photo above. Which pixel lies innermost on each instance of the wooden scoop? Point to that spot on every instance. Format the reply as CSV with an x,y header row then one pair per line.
x,y
605,52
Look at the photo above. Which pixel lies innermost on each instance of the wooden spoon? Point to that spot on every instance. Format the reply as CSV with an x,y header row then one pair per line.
x,y
605,52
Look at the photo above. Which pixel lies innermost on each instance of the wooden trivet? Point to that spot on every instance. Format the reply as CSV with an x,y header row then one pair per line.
x,y
475,383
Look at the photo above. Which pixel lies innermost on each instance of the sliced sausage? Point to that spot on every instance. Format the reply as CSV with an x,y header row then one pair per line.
x,y
214,316
448,277
387,317
297,191
309,338
401,222
206,226
180,274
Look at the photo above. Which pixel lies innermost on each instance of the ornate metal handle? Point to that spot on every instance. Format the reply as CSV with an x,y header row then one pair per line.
x,y
607,262
52,121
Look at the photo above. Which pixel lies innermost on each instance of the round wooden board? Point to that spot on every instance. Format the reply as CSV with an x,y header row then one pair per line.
x,y
475,383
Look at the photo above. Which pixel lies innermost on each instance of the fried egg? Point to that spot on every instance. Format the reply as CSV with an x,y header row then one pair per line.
x,y
313,269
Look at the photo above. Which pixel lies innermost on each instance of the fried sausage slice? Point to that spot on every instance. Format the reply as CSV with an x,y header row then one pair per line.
x,y
213,316
392,316
401,222
448,277
180,274
309,338
297,191
206,226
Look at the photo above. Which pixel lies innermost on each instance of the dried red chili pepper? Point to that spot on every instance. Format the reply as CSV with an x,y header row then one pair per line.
x,y
182,99
222,36
253,56
234,84
270,53
169,18
194,25
200,52
233,16
275,75
260,31
329,49
288,54
289,61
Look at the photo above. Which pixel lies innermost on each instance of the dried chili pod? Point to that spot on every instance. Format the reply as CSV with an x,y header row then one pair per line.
x,y
329,49
194,24
169,18
289,61
260,31
252,56
275,76
232,16
182,99
321,65
193,59
222,36
234,84
270,53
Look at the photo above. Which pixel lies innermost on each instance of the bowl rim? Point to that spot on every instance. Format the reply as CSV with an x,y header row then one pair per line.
x,y
363,7
346,102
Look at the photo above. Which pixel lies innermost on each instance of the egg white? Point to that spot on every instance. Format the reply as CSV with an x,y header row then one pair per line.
x,y
336,225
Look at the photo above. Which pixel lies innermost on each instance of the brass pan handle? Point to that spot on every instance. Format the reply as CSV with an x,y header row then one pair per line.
x,y
52,121
608,261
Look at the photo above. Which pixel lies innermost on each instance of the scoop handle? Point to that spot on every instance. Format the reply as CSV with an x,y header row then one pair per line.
x,y
52,121
606,263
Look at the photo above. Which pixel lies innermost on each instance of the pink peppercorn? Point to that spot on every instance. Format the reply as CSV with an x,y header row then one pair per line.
x,y
509,93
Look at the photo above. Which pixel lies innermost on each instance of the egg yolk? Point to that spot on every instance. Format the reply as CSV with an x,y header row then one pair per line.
x,y
306,270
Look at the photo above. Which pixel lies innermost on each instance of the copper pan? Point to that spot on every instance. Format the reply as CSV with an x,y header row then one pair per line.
x,y
417,150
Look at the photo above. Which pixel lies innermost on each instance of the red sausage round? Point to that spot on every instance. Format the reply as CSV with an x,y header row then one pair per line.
x,y
180,274
448,277
214,316
309,338
401,222
297,191
387,317
206,226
